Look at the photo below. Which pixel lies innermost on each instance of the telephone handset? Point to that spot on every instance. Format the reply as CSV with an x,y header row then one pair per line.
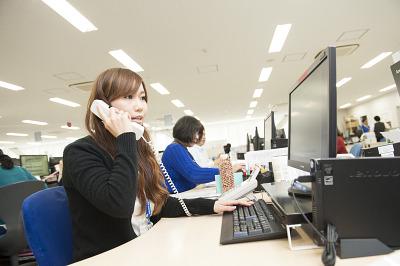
x,y
138,129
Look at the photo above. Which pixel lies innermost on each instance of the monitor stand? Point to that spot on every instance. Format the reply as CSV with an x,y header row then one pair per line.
x,y
353,248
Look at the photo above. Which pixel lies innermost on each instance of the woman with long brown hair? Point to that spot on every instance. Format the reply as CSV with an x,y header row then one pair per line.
x,y
114,184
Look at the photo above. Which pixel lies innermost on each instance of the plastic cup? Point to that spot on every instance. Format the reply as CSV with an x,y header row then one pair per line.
x,y
238,178
218,184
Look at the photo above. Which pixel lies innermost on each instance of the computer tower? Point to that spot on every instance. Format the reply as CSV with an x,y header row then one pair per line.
x,y
279,143
378,151
360,198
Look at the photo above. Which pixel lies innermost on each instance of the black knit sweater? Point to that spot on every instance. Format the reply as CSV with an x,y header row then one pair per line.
x,y
102,192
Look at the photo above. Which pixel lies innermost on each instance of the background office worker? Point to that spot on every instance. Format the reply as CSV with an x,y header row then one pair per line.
x,y
200,154
10,174
113,182
378,128
364,124
180,164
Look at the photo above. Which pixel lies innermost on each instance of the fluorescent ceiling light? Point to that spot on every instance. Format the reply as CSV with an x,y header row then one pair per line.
x,y
35,143
188,112
126,60
376,60
10,86
345,106
48,137
257,93
159,88
253,104
17,134
177,103
388,88
265,73
6,142
34,122
280,34
250,111
71,14
67,127
65,102
363,98
343,81
197,118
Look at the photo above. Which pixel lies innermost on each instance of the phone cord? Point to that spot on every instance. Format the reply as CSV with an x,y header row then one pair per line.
x,y
168,178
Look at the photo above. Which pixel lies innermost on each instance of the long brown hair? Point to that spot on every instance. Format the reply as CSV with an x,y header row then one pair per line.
x,y
110,85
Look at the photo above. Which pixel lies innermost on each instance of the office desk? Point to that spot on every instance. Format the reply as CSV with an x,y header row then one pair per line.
x,y
195,241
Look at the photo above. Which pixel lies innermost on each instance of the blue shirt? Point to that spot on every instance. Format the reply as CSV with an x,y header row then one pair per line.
x,y
14,175
183,170
364,128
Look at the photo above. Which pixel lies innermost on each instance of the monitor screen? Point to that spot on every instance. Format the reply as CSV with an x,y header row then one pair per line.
x,y
36,164
269,130
258,143
248,143
396,74
312,113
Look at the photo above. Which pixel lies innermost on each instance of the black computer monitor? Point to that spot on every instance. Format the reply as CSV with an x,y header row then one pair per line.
x,y
396,74
248,143
53,161
269,130
312,113
36,164
258,143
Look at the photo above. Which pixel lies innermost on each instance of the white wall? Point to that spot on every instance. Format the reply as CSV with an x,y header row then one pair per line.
x,y
385,106
340,117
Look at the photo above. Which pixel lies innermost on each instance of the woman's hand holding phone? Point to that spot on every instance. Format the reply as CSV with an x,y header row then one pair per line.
x,y
116,122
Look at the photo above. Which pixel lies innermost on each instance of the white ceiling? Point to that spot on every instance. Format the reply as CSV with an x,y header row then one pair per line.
x,y
170,40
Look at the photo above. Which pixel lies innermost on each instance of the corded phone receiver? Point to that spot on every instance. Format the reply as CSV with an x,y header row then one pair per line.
x,y
138,129
244,188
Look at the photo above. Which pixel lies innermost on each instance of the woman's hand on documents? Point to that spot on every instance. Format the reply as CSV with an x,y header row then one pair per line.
x,y
221,206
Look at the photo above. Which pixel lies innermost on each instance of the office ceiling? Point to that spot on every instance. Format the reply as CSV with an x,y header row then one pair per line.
x,y
175,40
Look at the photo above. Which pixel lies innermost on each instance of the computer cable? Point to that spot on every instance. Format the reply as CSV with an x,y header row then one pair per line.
x,y
328,256
168,178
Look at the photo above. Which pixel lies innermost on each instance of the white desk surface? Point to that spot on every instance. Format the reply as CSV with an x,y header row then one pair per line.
x,y
195,241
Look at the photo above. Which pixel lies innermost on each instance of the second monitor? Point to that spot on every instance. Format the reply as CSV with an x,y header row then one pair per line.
x,y
312,113
274,136
37,165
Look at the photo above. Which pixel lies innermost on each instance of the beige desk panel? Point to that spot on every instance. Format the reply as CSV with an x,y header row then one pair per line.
x,y
195,241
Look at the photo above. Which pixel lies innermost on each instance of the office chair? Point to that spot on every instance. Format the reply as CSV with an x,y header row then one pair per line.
x,y
356,150
11,198
48,226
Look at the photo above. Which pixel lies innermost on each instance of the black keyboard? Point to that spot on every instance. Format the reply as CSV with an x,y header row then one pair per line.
x,y
253,223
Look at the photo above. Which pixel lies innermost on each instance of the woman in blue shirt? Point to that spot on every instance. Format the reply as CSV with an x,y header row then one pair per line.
x,y
364,125
179,163
10,174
